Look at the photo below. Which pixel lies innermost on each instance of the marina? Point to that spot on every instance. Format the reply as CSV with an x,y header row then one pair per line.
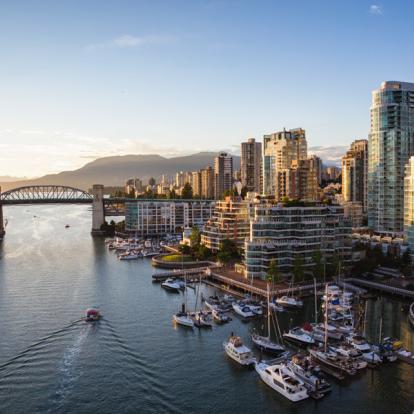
x,y
137,329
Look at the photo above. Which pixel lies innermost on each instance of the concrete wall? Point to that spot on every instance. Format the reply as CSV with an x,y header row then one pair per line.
x,y
98,214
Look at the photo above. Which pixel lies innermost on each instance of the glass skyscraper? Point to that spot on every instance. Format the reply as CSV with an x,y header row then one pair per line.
x,y
391,143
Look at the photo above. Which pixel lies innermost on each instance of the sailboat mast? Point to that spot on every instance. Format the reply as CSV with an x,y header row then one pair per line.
x,y
268,310
326,316
316,302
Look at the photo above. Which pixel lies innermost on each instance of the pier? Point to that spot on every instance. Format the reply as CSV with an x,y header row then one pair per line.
x,y
393,290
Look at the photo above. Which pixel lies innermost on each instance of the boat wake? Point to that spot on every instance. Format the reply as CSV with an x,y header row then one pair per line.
x,y
69,375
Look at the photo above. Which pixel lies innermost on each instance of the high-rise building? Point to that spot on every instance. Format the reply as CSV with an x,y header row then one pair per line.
x,y
409,204
207,183
196,183
230,220
298,182
316,165
354,173
283,234
279,150
223,174
251,165
391,143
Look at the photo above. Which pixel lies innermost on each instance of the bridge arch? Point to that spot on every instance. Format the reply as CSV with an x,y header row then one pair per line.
x,y
45,194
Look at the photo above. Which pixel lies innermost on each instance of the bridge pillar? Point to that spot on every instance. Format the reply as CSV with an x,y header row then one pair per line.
x,y
2,230
98,213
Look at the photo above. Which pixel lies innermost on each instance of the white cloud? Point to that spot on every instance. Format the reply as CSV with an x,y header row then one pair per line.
x,y
126,41
331,155
375,9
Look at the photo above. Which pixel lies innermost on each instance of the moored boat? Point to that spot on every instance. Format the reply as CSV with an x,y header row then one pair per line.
x,y
172,285
239,352
411,314
243,310
289,302
299,336
283,380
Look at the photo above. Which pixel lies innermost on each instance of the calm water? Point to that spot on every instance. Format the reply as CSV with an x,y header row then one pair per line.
x,y
134,361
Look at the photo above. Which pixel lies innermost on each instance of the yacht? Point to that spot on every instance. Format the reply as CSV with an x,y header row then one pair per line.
x,y
283,380
237,351
299,336
331,359
289,302
332,331
171,285
359,342
129,255
309,374
349,351
183,319
243,310
265,344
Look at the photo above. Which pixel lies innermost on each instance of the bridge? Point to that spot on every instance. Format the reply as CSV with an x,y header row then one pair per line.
x,y
44,194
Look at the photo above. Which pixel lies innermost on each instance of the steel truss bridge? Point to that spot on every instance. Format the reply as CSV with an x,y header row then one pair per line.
x,y
58,194
45,194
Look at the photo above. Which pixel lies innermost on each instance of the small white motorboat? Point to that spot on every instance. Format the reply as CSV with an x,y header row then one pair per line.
x,y
183,319
299,336
283,380
289,302
243,310
220,317
172,285
265,344
238,352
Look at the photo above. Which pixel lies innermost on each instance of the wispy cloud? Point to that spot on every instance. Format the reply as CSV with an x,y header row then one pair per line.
x,y
127,41
331,155
375,9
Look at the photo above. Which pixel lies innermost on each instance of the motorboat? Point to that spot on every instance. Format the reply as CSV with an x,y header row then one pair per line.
x,y
265,344
282,379
211,305
172,285
243,310
289,302
239,352
183,319
304,369
219,316
359,342
275,307
202,320
349,351
331,359
299,336
129,255
92,315
331,331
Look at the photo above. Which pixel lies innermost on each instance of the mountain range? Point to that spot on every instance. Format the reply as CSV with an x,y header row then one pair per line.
x,y
115,170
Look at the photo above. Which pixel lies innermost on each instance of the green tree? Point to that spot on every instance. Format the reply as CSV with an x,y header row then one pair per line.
x,y
228,251
317,265
184,248
151,181
273,274
298,273
187,192
172,194
202,252
195,237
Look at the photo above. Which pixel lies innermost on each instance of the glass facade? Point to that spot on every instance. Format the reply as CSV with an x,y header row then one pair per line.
x,y
161,217
391,143
285,233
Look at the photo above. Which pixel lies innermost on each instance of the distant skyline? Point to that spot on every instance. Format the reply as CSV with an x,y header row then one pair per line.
x,y
82,80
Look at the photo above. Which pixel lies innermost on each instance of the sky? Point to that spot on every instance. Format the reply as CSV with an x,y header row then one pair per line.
x,y
85,79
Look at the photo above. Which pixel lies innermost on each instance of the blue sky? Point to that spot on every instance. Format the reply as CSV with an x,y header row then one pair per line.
x,y
84,79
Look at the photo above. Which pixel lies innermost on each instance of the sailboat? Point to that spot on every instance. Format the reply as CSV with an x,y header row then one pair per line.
x,y
182,318
264,343
289,301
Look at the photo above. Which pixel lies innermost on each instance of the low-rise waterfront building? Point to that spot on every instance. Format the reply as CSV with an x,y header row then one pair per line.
x,y
160,217
230,220
283,234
